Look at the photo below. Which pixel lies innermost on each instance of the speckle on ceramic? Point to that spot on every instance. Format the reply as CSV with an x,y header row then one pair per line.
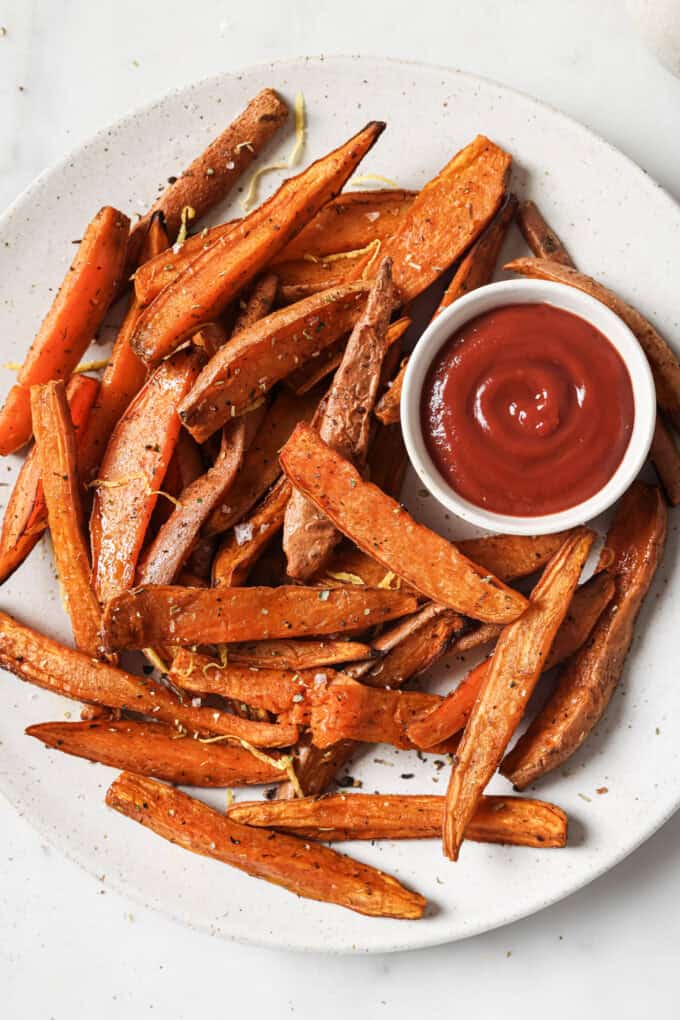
x,y
598,201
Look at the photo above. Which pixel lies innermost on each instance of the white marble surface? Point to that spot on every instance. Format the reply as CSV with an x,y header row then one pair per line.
x,y
69,947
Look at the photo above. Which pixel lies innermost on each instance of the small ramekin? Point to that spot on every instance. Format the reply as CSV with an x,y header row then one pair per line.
x,y
527,291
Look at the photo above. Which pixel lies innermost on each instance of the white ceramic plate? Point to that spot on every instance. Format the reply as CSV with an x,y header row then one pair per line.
x,y
617,224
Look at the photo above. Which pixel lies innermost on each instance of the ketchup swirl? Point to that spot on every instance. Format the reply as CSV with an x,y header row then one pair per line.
x,y
527,410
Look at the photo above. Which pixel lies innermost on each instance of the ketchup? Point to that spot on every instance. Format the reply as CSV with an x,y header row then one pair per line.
x,y
527,410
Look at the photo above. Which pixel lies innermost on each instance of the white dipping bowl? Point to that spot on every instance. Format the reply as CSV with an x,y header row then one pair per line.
x,y
525,291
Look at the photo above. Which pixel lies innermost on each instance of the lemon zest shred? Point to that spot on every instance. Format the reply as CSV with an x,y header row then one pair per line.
x,y
116,483
367,268
91,366
244,145
344,575
251,195
282,764
155,660
162,492
188,213
13,366
387,580
230,797
185,674
374,247
376,178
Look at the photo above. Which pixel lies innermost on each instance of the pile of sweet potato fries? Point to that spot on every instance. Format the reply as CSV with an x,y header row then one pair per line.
x,y
240,462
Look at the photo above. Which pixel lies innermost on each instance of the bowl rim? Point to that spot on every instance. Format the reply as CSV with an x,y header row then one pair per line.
x,y
529,291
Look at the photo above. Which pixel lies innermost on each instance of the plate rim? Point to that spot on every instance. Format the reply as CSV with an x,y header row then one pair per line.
x,y
81,859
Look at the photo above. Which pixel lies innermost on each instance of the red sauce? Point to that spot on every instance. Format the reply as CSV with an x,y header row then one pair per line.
x,y
527,410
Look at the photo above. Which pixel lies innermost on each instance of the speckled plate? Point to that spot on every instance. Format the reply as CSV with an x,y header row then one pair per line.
x,y
611,215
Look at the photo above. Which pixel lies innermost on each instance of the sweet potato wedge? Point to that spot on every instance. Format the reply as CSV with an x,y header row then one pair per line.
x,y
261,464
662,360
175,539
282,654
586,607
511,557
247,367
258,303
477,267
124,375
515,821
189,616
206,287
382,528
416,652
447,216
666,458
540,236
132,472
213,174
25,517
75,316
153,749
519,657
387,409
56,446
246,542
40,660
346,710
633,551
309,537
307,869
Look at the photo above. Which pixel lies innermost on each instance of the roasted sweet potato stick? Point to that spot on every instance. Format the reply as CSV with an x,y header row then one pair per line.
x,y
25,517
124,375
587,606
212,175
247,367
261,465
132,472
512,556
56,446
309,537
306,869
447,216
416,652
189,616
282,654
206,287
662,360
382,528
244,545
633,551
666,458
152,276
40,660
175,539
515,821
540,236
71,323
521,652
153,749
258,303
477,267
387,409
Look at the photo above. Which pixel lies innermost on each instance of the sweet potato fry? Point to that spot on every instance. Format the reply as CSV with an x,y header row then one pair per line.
x,y
175,539
516,665
302,279
307,869
40,660
416,652
132,471
261,464
662,360
515,821
75,316
346,710
586,607
477,267
633,551
156,273
540,236
206,287
189,616
666,458
387,409
124,375
212,175
512,556
381,527
282,654
244,545
309,537
259,357
258,303
56,446
447,216
25,517
153,749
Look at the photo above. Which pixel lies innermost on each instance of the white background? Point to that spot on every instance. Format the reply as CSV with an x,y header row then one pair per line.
x,y
68,946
